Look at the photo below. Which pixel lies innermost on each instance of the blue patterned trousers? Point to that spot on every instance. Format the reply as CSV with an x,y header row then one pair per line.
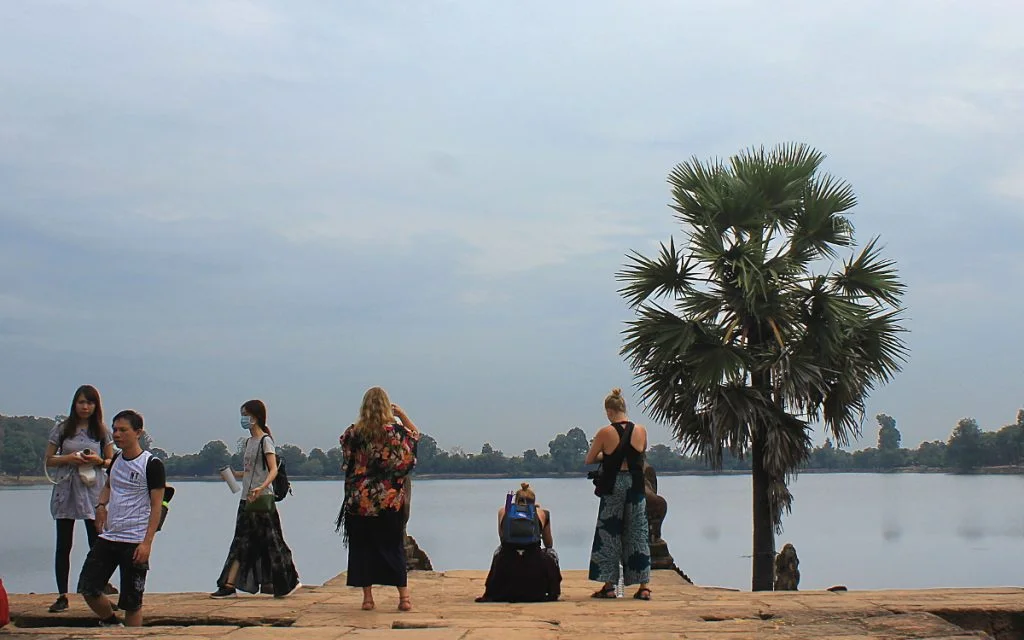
x,y
621,535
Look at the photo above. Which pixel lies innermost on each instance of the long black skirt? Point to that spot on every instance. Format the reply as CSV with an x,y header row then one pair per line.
x,y
376,550
264,559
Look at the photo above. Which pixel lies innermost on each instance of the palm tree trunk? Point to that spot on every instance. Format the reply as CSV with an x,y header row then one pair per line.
x,y
763,569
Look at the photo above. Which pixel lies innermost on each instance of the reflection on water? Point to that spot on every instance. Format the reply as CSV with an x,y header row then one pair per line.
x,y
861,530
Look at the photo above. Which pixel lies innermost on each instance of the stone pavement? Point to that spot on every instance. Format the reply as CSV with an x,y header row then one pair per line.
x,y
444,610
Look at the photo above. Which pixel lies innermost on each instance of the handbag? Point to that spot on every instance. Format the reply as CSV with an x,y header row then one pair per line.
x,y
262,504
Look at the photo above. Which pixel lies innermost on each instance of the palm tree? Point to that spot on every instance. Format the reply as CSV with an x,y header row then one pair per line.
x,y
738,343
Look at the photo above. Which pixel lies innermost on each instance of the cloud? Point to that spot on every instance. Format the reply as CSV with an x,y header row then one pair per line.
x,y
207,202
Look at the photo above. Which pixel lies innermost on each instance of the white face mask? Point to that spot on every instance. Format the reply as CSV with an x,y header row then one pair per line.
x,y
246,422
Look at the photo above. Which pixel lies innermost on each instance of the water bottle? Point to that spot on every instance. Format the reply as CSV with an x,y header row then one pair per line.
x,y
620,589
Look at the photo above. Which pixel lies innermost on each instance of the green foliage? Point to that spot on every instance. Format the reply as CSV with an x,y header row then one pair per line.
x,y
21,455
964,451
738,343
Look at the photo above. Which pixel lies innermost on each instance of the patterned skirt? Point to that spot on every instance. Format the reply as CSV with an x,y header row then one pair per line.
x,y
621,536
264,559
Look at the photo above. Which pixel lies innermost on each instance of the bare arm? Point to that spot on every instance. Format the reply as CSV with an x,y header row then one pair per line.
x,y
156,501
501,515
639,438
101,507
406,421
108,455
596,452
54,460
549,542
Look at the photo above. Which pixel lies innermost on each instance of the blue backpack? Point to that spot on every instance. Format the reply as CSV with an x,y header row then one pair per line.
x,y
521,527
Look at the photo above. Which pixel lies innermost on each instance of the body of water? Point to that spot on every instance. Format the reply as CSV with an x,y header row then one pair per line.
x,y
867,531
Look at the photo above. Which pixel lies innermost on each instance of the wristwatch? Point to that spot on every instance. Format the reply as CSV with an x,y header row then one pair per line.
x,y
102,504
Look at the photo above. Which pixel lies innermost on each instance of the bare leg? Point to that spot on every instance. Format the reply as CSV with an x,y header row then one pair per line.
x,y
133,618
232,574
404,599
100,606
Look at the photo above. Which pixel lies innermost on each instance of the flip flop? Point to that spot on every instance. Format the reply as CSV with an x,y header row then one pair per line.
x,y
643,593
604,592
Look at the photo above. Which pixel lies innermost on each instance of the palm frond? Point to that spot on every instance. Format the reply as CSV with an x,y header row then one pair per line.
x,y
670,274
871,275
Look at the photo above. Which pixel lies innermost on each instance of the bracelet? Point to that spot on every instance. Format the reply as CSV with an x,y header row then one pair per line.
x,y
102,504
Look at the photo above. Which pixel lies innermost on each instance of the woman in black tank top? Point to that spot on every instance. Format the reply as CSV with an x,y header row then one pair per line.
x,y
621,535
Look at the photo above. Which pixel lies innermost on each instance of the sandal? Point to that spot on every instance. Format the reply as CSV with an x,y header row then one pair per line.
x,y
405,604
368,604
643,593
607,591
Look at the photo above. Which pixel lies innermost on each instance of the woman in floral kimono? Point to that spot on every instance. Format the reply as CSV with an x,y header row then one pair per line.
x,y
379,453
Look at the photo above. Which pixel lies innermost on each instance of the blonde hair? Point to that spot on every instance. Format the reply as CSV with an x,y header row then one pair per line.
x,y
374,413
614,401
525,494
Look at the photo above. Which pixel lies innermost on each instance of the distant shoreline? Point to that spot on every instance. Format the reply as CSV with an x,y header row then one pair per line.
x,y
28,481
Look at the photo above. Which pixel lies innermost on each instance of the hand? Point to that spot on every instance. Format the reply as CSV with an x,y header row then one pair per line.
x,y
397,410
254,493
75,458
101,519
142,552
93,459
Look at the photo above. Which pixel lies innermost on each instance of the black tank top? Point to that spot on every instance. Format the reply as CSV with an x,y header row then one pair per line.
x,y
612,463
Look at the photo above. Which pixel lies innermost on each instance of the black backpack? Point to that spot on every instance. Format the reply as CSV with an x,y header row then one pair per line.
x,y
281,485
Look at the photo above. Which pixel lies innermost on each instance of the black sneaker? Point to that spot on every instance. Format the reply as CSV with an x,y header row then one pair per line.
x,y
224,592
60,605
298,585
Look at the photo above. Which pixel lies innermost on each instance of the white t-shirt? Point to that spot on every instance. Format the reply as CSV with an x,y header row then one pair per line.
x,y
254,471
130,504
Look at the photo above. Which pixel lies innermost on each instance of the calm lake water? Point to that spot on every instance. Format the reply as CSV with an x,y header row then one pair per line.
x,y
863,530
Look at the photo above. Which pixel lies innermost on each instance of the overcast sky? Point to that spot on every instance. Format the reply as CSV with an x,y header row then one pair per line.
x,y
206,202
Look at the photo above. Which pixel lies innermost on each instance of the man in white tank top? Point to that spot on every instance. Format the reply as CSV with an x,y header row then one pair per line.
x,y
127,517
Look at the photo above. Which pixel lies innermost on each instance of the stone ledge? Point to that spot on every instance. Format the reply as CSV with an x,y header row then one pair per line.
x,y
444,608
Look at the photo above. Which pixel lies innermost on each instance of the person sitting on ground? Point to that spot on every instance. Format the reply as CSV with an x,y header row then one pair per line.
x,y
522,570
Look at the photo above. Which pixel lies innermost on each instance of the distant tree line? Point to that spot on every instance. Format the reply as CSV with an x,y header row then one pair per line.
x,y
968,448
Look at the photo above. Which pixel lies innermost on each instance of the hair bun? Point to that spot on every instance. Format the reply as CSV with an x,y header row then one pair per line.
x,y
525,485
616,391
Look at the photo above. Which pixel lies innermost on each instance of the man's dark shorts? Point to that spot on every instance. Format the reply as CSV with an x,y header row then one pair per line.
x,y
106,556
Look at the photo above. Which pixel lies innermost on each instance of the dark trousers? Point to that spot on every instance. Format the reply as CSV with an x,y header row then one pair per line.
x,y
62,557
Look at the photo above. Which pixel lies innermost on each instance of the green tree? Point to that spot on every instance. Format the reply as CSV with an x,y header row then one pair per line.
x,y
888,435
20,454
931,454
569,449
890,455
963,451
738,345
333,465
292,454
212,457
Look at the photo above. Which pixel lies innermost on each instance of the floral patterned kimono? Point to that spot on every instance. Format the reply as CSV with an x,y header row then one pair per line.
x,y
371,514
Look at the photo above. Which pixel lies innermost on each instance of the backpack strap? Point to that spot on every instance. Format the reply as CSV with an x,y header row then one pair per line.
x,y
263,452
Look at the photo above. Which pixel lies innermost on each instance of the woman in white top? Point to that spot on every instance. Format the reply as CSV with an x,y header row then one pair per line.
x,y
78,450
259,559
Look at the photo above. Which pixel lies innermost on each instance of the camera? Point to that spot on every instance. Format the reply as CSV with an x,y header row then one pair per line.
x,y
594,474
87,452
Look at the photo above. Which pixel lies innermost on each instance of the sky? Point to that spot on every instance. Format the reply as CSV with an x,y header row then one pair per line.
x,y
202,203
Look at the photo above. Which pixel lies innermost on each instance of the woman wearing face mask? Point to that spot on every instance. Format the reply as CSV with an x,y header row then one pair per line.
x,y
259,559
78,451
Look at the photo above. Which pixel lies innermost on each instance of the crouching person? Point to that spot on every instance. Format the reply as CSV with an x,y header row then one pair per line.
x,y
522,570
127,517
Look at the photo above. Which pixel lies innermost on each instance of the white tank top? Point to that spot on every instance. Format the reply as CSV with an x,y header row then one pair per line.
x,y
130,506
